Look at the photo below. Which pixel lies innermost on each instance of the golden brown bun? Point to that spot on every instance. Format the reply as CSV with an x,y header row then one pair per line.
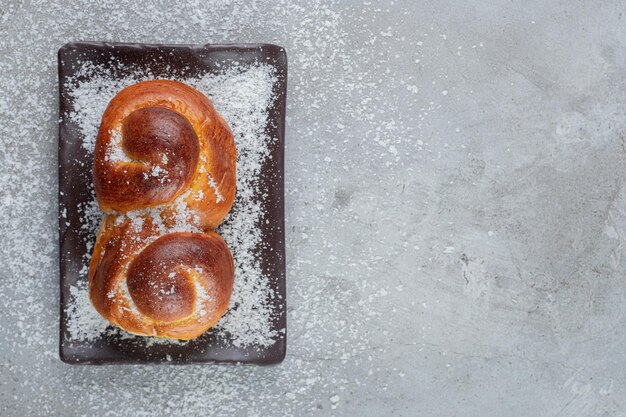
x,y
175,285
172,142
164,172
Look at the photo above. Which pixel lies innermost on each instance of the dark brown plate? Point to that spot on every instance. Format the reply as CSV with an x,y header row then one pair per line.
x,y
75,180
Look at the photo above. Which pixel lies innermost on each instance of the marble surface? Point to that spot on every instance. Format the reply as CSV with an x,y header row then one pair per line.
x,y
455,210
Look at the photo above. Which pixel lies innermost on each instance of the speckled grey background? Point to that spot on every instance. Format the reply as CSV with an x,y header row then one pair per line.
x,y
455,210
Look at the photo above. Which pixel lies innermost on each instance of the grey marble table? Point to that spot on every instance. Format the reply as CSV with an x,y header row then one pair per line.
x,y
455,210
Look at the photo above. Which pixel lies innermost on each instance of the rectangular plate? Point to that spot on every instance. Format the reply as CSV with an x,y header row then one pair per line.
x,y
75,178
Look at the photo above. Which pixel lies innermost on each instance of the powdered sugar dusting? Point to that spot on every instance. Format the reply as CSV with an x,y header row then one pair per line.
x,y
242,95
83,321
218,196
115,153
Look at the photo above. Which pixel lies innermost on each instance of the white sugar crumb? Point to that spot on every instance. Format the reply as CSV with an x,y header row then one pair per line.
x,y
157,171
83,321
125,294
115,152
242,95
137,222
213,185
202,299
185,220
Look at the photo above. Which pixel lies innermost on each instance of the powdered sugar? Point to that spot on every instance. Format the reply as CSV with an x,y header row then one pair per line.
x,y
157,171
125,293
242,95
202,297
115,152
218,196
83,321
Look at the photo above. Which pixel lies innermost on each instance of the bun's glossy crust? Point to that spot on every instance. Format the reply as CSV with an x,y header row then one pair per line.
x,y
129,185
131,268
162,147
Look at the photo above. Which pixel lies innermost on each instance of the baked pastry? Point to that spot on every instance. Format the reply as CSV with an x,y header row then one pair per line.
x,y
160,140
164,174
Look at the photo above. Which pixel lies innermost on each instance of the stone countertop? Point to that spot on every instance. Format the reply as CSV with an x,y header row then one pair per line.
x,y
455,210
